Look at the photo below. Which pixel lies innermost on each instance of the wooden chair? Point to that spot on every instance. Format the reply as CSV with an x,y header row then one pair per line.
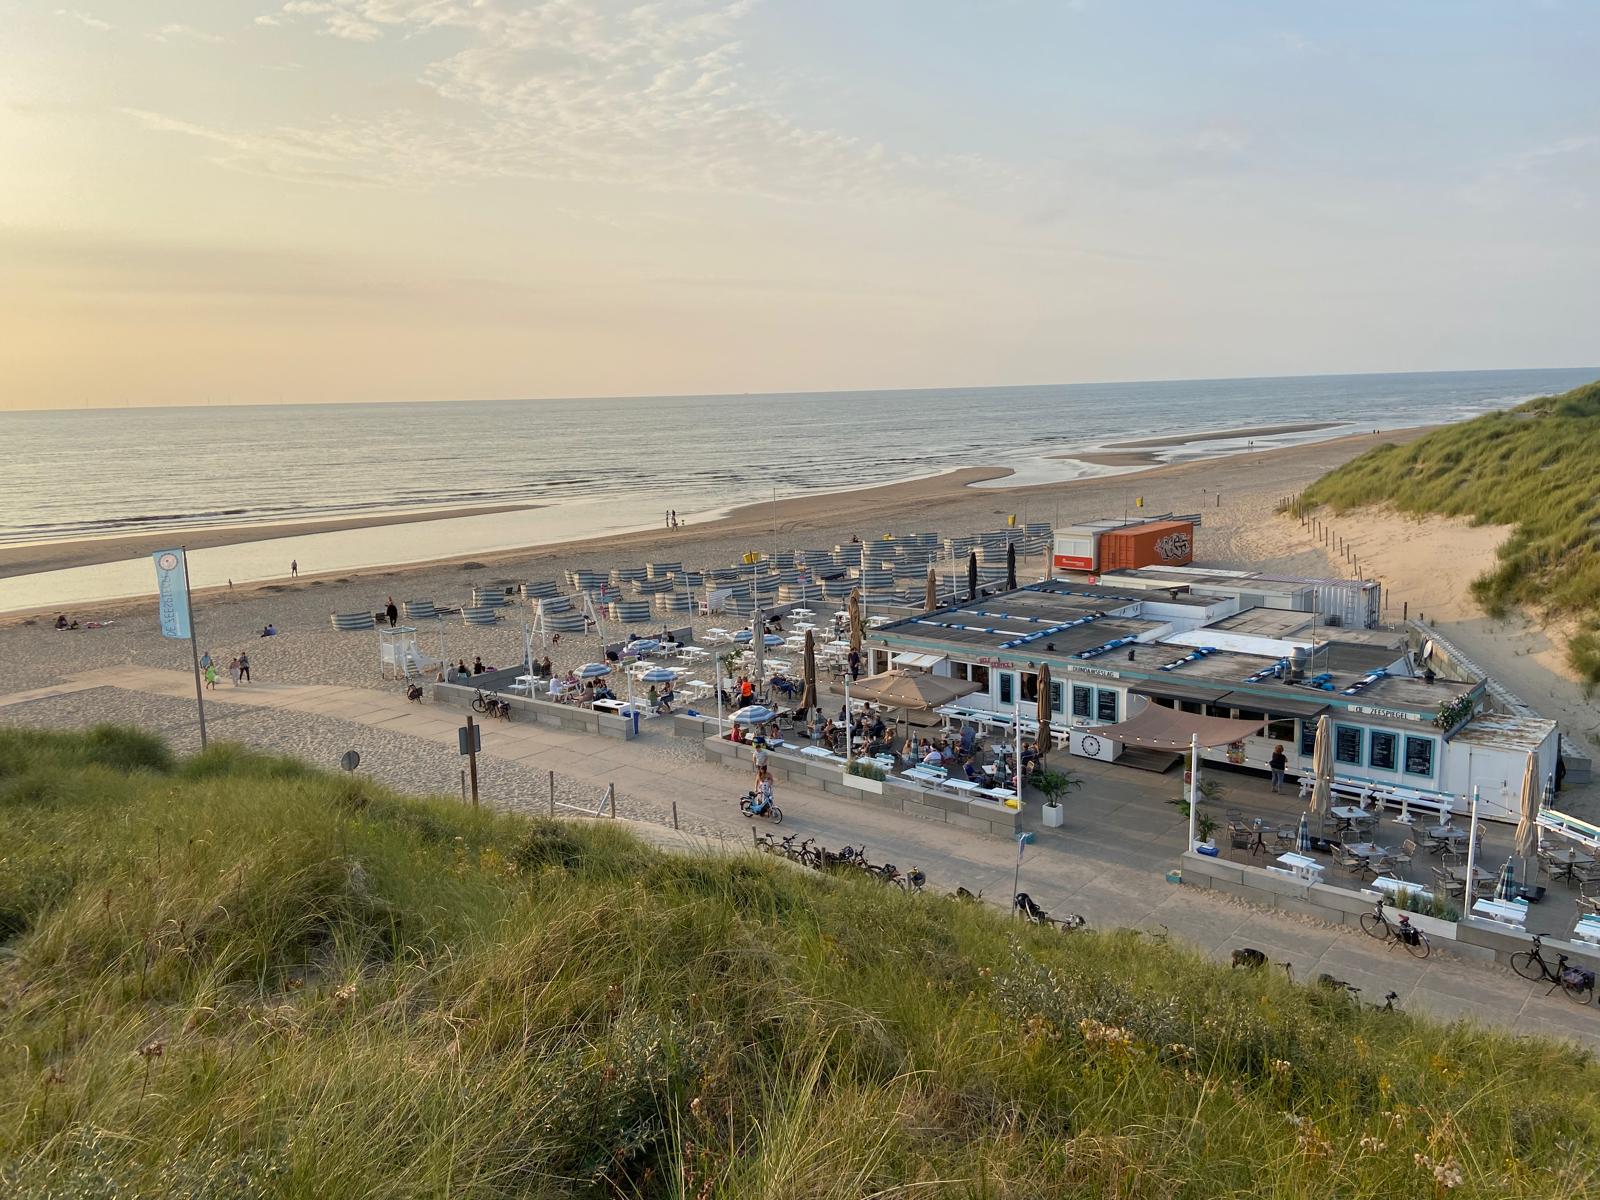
x,y
1445,883
1285,837
1353,863
1408,852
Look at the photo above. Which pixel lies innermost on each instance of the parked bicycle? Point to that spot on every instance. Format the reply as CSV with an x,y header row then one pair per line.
x,y
1576,982
1028,908
494,706
1377,924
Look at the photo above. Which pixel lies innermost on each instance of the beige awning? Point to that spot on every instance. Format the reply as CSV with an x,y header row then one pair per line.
x,y
1161,728
911,690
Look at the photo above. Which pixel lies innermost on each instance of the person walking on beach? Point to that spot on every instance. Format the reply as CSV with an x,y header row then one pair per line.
x,y
233,670
1278,764
244,667
211,675
294,568
205,661
390,611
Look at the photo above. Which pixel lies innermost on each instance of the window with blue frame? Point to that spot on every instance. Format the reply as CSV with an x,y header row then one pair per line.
x,y
1105,704
1057,697
1308,738
1419,756
1082,700
1006,684
1382,749
1347,744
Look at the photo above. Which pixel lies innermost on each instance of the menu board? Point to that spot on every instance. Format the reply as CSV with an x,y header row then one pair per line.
x,y
1419,756
1347,743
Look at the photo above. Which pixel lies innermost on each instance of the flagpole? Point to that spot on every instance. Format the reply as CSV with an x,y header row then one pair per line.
x,y
194,650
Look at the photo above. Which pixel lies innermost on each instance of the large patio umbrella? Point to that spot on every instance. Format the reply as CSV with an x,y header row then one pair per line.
x,y
972,576
808,691
758,644
1322,768
1045,740
1525,842
755,714
914,691
1011,566
592,670
857,625
931,601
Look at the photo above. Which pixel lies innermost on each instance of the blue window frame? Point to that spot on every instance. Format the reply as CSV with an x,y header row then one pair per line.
x,y
1082,700
1057,697
1347,744
1382,750
1419,756
1105,704
1007,686
1308,738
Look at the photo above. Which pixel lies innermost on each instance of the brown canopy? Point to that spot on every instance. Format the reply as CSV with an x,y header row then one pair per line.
x,y
912,690
932,601
1170,729
808,694
857,625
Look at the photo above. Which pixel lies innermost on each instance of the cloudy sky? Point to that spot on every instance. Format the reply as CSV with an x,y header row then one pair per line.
x,y
333,200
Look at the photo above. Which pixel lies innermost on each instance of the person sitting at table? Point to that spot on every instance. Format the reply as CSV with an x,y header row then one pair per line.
x,y
973,774
654,697
878,727
546,667
736,734
933,758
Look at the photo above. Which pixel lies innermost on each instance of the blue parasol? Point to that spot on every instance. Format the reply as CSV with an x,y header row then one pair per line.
x,y
1303,841
658,675
1506,889
592,671
756,714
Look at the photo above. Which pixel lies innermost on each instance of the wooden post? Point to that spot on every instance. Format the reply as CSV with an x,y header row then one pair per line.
x,y
674,814
472,760
611,798
552,794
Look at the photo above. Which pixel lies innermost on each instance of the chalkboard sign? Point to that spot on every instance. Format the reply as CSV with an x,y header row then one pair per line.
x,y
1347,743
1381,750
1419,756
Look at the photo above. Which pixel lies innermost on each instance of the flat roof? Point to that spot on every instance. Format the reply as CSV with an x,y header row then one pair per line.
x,y
1498,731
1284,624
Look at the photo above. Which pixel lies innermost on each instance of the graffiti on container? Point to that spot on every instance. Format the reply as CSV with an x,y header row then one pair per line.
x,y
1174,547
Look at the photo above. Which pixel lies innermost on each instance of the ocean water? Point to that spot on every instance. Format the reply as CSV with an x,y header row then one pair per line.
x,y
598,465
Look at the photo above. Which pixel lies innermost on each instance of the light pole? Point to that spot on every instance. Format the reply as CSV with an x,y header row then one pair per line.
x,y
1472,854
1194,785
849,748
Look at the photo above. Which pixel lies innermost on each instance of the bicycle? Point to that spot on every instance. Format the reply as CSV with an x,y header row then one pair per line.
x,y
1029,908
1377,924
1576,982
494,706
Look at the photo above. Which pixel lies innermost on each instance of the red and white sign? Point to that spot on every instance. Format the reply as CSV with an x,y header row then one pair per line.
x,y
1072,562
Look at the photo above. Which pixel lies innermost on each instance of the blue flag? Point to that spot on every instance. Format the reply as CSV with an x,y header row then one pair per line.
x,y
172,591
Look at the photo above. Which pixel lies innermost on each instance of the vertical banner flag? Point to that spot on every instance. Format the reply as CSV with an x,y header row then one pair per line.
x,y
172,588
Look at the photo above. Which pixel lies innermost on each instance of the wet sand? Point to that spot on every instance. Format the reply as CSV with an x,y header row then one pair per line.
x,y
1139,453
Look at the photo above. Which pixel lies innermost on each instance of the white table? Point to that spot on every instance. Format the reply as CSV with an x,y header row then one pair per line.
x,y
962,785
1367,849
1504,912
1390,886
924,774
1001,794
817,752
1302,866
1587,930
619,707
1348,812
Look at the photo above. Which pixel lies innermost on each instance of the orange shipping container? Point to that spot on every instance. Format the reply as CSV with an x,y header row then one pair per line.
x,y
1158,544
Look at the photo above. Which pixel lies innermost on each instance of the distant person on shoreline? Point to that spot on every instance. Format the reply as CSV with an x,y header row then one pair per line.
x,y
390,611
294,568
269,630
61,621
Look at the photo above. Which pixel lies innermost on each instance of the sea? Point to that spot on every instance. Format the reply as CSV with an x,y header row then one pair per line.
x,y
593,466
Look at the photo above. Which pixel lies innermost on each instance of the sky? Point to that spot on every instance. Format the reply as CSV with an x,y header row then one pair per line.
x,y
248,201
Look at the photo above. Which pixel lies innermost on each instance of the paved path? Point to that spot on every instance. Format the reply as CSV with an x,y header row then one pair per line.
x,y
1108,862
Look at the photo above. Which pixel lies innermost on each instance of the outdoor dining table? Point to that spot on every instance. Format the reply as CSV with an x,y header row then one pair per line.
x,y
962,785
1367,849
1349,812
1566,866
619,707
1479,875
1302,865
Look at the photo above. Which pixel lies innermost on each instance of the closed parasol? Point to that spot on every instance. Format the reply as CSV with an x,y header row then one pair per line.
x,y
1322,767
857,625
972,576
1044,712
808,691
1525,842
1011,566
931,601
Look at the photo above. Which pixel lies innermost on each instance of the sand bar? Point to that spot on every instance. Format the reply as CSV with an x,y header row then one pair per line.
x,y
1138,453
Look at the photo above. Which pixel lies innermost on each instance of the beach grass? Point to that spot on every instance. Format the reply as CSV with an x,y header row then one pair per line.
x,y
1533,467
235,976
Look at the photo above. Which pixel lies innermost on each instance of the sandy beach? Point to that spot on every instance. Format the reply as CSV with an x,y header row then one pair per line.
x,y
1236,495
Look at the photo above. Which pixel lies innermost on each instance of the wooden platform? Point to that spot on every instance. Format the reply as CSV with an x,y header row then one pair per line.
x,y
1159,761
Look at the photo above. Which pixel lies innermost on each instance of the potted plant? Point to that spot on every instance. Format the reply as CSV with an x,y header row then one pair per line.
x,y
1054,785
1205,828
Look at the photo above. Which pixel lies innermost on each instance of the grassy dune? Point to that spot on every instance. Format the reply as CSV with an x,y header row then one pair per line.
x,y
1536,467
234,976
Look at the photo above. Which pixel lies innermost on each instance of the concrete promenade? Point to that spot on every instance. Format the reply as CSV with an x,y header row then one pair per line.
x,y
1109,862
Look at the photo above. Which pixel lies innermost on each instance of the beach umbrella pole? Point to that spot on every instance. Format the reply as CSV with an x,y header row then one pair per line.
x,y
849,749
1472,855
1194,784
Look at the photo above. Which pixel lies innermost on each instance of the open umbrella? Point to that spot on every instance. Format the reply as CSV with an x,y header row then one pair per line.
x,y
1322,767
658,675
1011,566
972,576
754,714
1302,842
808,692
642,646
1525,842
1044,713
592,671
743,636
771,640
932,600
1506,888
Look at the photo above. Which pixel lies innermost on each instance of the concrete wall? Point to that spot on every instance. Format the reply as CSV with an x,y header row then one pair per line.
x,y
1340,906
544,712
792,771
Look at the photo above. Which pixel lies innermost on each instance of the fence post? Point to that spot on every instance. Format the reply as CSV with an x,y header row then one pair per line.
x,y
674,814
463,786
611,797
552,794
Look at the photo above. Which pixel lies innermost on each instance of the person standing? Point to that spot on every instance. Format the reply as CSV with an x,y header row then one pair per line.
x,y
211,676
391,612
233,670
855,665
205,661
1278,764
244,667
294,569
